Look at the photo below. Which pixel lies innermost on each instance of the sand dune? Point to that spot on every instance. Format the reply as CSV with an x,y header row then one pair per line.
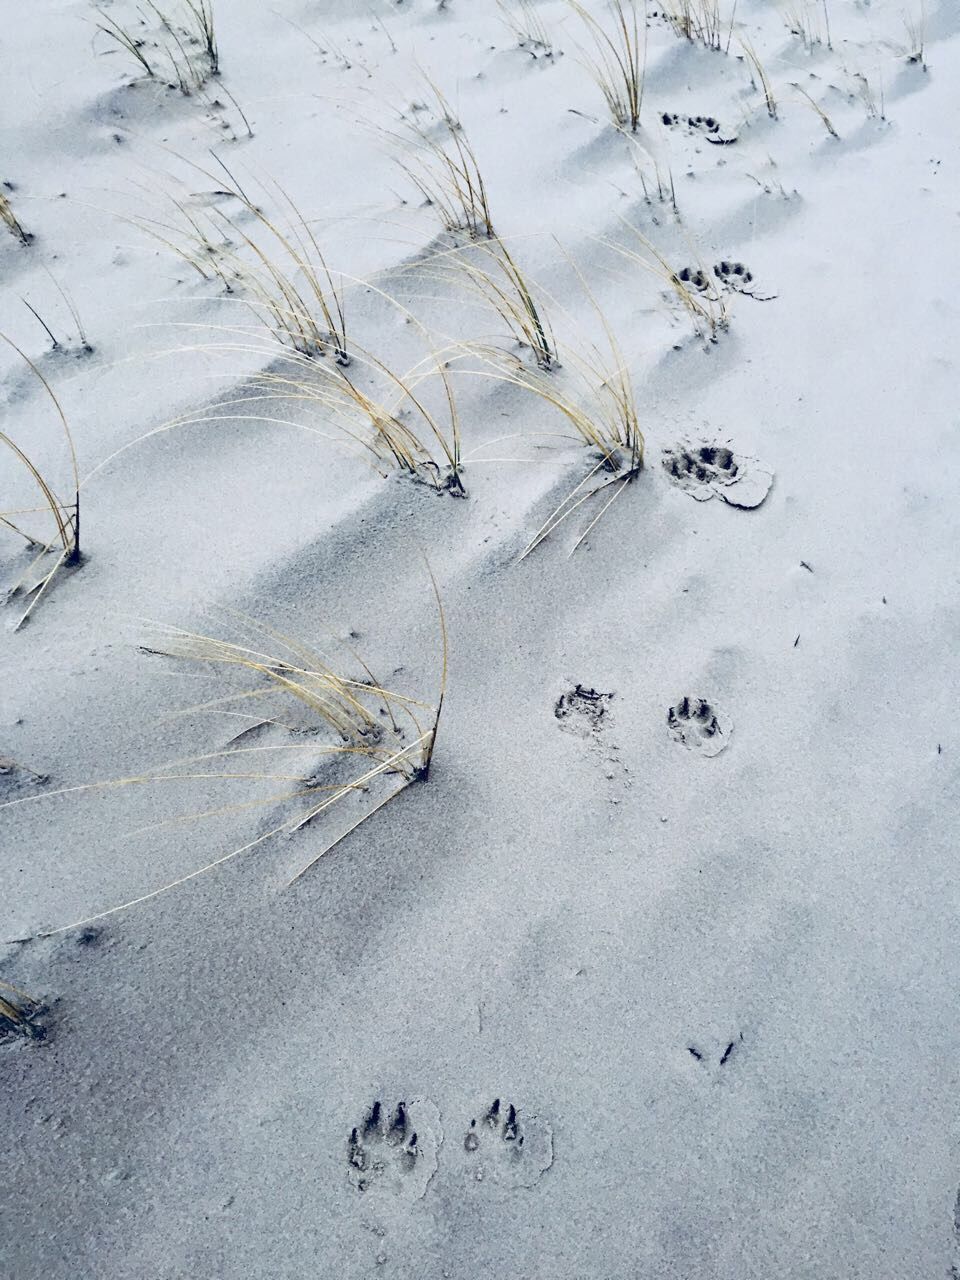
x,y
653,973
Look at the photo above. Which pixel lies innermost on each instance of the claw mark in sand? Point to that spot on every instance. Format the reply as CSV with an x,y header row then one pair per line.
x,y
508,1147
396,1151
707,470
699,725
721,1056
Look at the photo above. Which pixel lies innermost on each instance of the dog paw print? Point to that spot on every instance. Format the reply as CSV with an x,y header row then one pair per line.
x,y
507,1147
707,470
699,725
395,1151
582,710
708,126
585,713
736,278
696,278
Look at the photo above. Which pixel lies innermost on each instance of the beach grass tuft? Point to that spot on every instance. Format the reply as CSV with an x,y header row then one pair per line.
x,y
64,546
618,63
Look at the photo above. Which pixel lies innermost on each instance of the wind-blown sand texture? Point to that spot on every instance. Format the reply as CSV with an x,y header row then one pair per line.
x,y
655,973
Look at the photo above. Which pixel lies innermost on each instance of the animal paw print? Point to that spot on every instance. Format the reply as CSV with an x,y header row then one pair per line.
x,y
581,710
504,1148
696,278
704,464
707,470
737,278
395,1152
699,725
707,125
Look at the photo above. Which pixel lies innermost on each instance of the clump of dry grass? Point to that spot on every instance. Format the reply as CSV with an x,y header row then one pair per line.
x,y
618,66
64,546
660,181
391,422
915,27
802,19
83,345
700,21
692,287
334,730
381,416
827,122
11,221
495,276
527,26
19,1014
277,268
760,77
181,50
596,399
446,172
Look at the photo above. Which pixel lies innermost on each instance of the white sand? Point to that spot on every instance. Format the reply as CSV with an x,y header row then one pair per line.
x,y
565,914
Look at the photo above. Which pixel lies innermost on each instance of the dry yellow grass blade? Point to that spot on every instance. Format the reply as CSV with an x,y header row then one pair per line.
x,y
65,515
390,425
18,1014
11,221
278,269
693,288
447,173
499,281
603,416
619,65
391,733
827,122
700,21
167,51
527,26
760,75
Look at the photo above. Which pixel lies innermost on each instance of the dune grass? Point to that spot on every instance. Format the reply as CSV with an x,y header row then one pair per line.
x,y
693,287
333,730
446,172
182,50
276,267
11,221
493,274
18,1014
594,395
760,77
700,21
803,19
915,26
378,415
662,182
528,27
827,122
391,423
607,423
65,545
618,64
